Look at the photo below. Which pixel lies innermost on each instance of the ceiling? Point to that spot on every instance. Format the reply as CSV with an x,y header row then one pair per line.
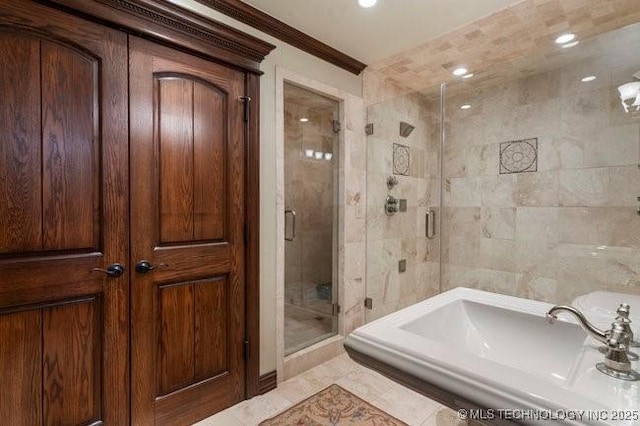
x,y
390,27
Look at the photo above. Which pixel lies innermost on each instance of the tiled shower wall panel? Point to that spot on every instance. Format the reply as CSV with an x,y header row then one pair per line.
x,y
567,229
402,236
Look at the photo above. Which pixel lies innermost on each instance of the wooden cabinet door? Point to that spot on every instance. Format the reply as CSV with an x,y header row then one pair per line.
x,y
187,222
63,212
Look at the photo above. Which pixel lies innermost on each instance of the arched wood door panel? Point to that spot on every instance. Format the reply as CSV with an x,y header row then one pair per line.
x,y
188,217
191,137
63,212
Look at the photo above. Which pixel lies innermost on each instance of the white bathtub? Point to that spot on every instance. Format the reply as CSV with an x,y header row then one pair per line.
x,y
469,348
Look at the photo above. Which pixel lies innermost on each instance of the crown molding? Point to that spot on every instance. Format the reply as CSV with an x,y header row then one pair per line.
x,y
162,21
249,15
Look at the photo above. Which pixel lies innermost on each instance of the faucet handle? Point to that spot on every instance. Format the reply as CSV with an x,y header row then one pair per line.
x,y
619,338
616,360
623,313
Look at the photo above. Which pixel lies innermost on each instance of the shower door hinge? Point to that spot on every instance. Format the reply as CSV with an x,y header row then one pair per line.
x,y
246,351
335,309
368,129
368,303
336,126
246,100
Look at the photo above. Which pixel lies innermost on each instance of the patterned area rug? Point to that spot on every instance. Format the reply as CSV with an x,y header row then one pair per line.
x,y
333,406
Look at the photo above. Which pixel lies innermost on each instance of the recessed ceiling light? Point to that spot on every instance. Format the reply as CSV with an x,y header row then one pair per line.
x,y
465,106
304,119
588,79
460,71
565,38
468,75
366,3
568,45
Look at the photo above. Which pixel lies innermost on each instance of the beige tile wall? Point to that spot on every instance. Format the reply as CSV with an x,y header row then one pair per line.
x,y
567,229
402,236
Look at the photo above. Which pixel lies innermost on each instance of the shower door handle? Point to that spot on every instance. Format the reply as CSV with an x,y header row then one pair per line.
x,y
430,224
293,224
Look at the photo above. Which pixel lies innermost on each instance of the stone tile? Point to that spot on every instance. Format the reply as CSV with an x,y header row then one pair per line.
x,y
499,191
312,356
497,254
444,417
584,187
367,384
463,192
461,221
623,186
537,224
584,268
462,250
406,405
260,408
498,222
538,189
613,146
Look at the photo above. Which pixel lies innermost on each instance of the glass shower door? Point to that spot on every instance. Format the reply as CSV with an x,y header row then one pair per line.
x,y
311,208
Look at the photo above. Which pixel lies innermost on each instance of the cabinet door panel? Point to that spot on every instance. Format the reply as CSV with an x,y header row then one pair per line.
x,y
64,212
188,215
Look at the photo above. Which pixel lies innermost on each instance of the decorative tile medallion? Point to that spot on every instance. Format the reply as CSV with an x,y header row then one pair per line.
x,y
401,159
519,156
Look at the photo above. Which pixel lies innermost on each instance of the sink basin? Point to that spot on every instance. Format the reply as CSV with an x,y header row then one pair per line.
x,y
507,337
498,352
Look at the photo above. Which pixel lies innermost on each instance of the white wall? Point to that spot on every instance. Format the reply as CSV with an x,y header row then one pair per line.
x,y
296,60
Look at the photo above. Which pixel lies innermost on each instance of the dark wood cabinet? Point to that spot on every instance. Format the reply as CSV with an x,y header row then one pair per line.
x,y
115,149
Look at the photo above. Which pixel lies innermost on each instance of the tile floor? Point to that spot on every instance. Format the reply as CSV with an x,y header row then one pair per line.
x,y
408,406
304,327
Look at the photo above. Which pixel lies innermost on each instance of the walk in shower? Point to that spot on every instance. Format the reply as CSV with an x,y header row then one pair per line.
x,y
311,217
531,166
541,172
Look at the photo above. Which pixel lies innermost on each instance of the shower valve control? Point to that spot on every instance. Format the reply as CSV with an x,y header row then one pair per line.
x,y
391,205
392,181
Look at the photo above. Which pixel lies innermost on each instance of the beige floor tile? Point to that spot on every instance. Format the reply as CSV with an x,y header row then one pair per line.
x,y
366,384
407,405
410,407
444,417
297,389
260,408
224,418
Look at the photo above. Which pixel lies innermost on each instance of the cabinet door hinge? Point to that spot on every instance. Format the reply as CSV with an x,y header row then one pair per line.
x,y
246,351
246,100
246,234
